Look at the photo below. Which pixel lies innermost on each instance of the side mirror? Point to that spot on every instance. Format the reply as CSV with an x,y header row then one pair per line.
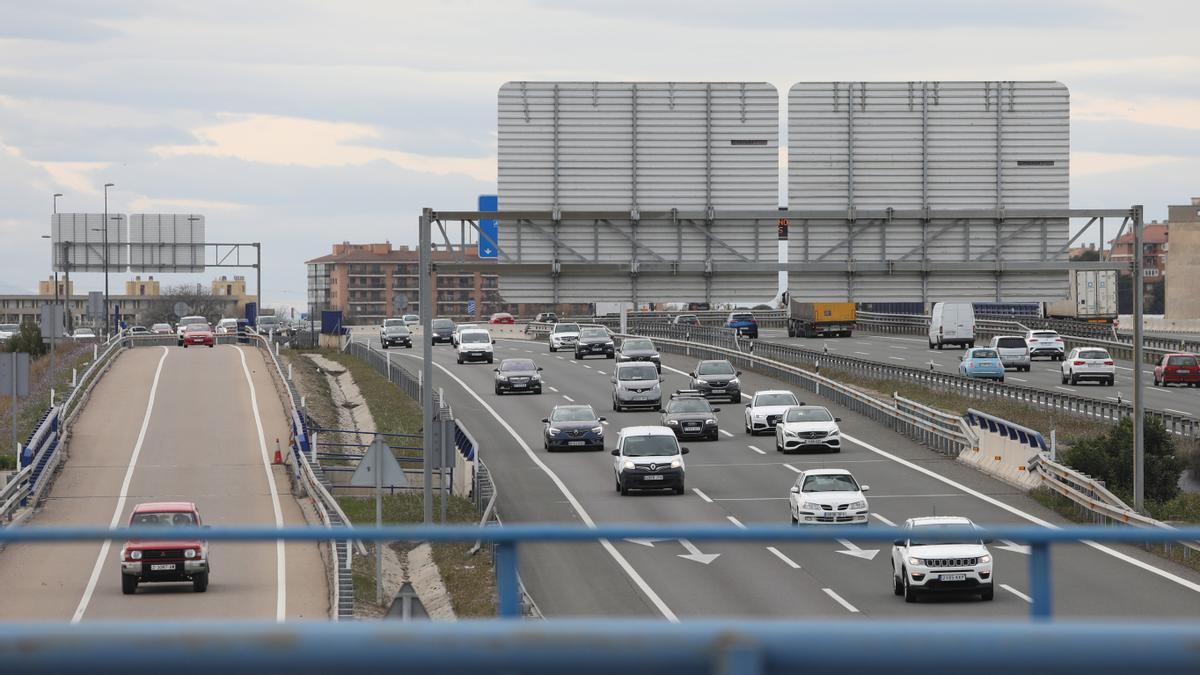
x,y
495,370
684,451
540,369
493,340
897,542
616,453
795,490
716,410
738,372
662,379
613,380
545,420
601,419
837,419
865,488
748,405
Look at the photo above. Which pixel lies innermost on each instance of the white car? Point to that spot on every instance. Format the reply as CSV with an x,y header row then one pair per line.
x,y
458,328
475,344
828,497
186,321
1089,363
226,326
923,560
806,427
83,335
564,336
411,320
9,330
1045,343
766,408
648,458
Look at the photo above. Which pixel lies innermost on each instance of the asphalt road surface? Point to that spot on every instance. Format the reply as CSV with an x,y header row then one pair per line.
x,y
741,480
171,424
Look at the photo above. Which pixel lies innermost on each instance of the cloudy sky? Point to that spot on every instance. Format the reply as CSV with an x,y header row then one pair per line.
x,y
303,123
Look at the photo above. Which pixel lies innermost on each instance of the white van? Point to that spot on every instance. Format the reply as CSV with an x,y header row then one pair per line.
x,y
952,323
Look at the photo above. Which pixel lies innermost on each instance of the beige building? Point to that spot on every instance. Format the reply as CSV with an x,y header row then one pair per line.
x,y
1183,267
46,287
139,287
232,287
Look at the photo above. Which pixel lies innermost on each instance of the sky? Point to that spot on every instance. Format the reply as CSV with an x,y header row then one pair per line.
x,y
300,124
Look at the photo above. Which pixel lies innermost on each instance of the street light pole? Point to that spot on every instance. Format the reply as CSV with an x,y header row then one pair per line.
x,y
1139,426
105,230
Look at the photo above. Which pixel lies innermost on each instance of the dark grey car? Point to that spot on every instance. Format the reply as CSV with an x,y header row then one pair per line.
x,y
442,330
639,349
717,379
690,415
518,375
594,341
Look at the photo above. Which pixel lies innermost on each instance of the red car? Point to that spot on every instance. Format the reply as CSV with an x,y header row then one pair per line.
x,y
198,334
1177,368
502,317
145,561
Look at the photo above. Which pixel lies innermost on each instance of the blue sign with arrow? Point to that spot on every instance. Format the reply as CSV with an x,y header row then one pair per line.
x,y
489,232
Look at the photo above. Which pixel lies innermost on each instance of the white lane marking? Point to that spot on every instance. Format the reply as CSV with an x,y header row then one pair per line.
x,y
280,562
122,495
789,466
586,366
948,494
902,339
726,434
882,519
633,575
701,495
863,353
1177,411
1031,518
559,358
568,398
1016,379
750,499
735,521
1065,388
1017,593
840,600
756,449
898,358
786,560
554,389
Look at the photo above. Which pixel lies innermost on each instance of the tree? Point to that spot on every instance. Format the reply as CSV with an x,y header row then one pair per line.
x,y
194,300
1110,459
1090,255
29,340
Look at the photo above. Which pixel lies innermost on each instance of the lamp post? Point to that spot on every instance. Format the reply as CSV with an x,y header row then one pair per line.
x,y
105,231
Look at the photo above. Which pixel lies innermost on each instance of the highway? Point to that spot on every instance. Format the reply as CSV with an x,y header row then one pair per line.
x,y
740,480
169,424
913,351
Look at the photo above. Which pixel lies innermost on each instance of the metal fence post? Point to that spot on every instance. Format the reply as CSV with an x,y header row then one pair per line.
x,y
508,587
1039,581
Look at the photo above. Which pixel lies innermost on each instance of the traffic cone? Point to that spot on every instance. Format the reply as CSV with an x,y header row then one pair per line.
x,y
278,454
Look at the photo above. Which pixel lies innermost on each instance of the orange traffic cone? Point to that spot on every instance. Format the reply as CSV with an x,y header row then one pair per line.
x,y
278,454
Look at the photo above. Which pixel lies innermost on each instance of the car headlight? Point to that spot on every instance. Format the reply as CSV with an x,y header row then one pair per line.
x,y
833,434
860,504
673,423
135,555
597,430
710,421
983,559
791,432
189,553
628,465
734,382
537,378
810,506
914,561
554,431
675,464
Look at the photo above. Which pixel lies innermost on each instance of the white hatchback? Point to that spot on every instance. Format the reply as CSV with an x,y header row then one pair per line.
x,y
828,497
1089,363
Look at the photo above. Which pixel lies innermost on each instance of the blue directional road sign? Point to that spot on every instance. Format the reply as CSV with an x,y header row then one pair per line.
x,y
489,235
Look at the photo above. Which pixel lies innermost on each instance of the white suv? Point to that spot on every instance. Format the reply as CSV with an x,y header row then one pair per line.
x,y
475,344
1045,343
564,336
828,497
925,560
766,409
1089,363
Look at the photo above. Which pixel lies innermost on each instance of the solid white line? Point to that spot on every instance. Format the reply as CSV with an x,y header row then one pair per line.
x,y
786,560
751,499
726,434
735,521
758,450
121,496
633,575
280,561
558,357
789,466
1016,379
898,358
568,398
863,353
1017,593
882,519
849,607
701,495
1064,388
1031,518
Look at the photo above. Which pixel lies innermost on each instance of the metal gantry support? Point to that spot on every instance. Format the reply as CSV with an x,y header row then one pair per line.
x,y
427,310
1139,421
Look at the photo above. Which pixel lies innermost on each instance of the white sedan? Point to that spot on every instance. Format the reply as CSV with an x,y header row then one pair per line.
x,y
766,409
806,427
1089,363
828,497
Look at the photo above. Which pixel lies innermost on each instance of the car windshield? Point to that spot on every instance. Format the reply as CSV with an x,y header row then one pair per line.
x,y
267,320
582,413
688,405
741,317
388,323
160,326
650,446
837,482
715,368
192,319
1045,334
1010,343
9,327
517,364
474,338
930,535
1182,361
1093,354
637,345
167,518
808,415
411,317
196,326
84,331
465,326
566,328
984,354
637,373
782,398
442,324
593,333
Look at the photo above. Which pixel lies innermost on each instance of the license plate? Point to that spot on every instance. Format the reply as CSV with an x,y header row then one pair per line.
x,y
596,348
476,354
162,568
1184,372
717,391
953,577
654,477
639,398
519,386
575,443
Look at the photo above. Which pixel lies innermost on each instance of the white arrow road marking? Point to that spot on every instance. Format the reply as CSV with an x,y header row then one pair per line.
x,y
648,541
854,550
1014,547
694,553
786,560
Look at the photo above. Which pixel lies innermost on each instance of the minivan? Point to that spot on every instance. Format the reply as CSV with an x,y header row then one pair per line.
x,y
952,323
1013,350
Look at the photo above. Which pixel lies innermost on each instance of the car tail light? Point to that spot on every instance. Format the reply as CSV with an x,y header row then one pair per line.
x,y
1077,363
1108,363
1058,339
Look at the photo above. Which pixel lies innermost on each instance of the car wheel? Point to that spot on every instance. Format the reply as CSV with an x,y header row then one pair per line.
x,y
612,356
538,390
939,346
460,360
988,594
616,407
623,490
498,392
1063,378
910,593
1001,380
491,359
383,345
408,346
1112,381
185,346
897,584
778,447
679,489
200,582
795,520
553,349
577,356
129,584
617,482
1074,379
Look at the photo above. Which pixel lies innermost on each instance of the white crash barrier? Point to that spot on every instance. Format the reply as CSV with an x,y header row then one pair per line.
x,y
1004,450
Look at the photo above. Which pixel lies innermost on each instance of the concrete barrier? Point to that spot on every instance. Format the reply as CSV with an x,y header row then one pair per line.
x,y
1004,450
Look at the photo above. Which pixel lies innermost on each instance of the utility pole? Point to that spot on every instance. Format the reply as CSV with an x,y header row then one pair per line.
x,y
105,231
425,279
1139,426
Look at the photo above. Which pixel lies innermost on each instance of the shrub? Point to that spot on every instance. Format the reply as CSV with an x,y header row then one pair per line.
x,y
1110,459
28,340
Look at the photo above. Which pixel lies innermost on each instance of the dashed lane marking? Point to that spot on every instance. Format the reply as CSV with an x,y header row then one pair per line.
x,y
726,434
568,398
840,600
735,521
789,466
1017,593
882,519
757,449
701,495
786,560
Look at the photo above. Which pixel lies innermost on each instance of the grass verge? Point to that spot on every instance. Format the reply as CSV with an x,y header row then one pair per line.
x,y
42,378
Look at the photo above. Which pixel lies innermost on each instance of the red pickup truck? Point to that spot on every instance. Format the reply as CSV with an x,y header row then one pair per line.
x,y
145,561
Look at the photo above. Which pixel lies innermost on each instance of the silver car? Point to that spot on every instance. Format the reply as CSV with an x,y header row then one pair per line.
x,y
636,385
1013,350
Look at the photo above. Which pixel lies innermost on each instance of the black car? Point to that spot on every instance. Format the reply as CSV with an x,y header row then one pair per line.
x,y
594,341
573,426
690,415
639,349
717,379
442,330
518,375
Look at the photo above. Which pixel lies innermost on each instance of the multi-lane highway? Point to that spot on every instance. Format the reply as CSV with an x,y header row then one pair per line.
x,y
169,424
913,351
741,480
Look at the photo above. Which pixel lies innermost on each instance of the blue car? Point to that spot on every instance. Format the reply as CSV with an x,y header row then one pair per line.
x,y
744,323
573,427
982,362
